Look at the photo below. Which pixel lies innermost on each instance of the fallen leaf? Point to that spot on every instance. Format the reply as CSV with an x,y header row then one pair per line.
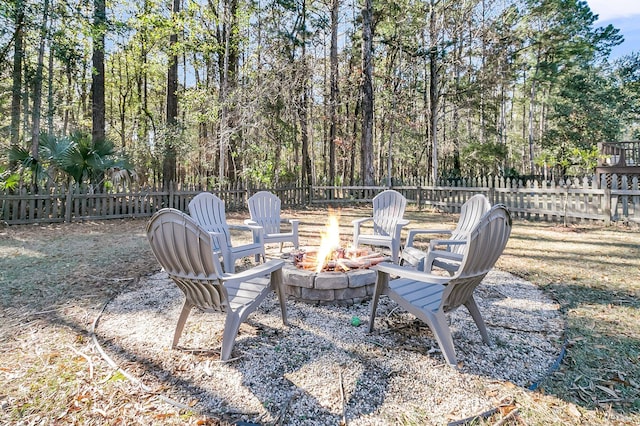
x,y
506,409
163,416
608,391
574,411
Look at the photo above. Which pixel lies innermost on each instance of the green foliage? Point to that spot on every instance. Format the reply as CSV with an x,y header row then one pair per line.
x,y
583,110
626,74
483,158
8,180
23,158
569,160
494,64
75,156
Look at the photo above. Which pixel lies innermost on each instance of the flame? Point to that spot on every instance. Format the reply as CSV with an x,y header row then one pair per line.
x,y
329,240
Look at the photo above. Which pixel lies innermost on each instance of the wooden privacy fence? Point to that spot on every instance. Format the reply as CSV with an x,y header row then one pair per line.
x,y
568,201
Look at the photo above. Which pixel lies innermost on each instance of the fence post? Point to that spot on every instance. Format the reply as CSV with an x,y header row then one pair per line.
x,y
69,206
171,194
607,206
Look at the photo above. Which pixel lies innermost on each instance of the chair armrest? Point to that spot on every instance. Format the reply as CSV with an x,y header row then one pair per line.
x,y
401,224
255,229
443,254
255,272
258,231
245,227
454,259
358,222
434,243
404,272
414,232
294,225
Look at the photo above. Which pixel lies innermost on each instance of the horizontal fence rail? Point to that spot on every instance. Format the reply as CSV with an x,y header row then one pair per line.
x,y
568,201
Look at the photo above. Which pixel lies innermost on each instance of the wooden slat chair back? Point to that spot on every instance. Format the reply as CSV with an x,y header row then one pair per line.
x,y
185,252
209,212
264,208
387,221
470,213
429,296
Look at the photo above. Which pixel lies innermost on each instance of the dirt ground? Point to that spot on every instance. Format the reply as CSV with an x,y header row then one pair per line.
x,y
56,279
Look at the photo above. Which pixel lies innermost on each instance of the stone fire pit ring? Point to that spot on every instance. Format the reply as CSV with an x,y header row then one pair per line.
x,y
340,288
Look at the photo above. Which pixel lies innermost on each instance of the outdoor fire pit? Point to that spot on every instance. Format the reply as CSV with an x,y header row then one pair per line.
x,y
331,274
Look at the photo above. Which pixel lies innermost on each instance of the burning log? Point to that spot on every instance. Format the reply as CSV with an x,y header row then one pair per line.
x,y
331,256
373,255
339,264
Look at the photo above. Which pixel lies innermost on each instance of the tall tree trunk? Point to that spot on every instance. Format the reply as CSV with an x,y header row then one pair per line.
x,y
233,62
144,116
16,88
97,82
51,109
169,163
224,85
532,99
458,51
228,63
433,91
37,89
366,146
333,91
304,107
69,96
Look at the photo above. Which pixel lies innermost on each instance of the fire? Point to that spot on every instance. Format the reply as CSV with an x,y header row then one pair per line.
x,y
329,241
330,256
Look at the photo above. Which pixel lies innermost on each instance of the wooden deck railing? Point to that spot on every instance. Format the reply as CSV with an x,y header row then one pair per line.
x,y
619,154
568,201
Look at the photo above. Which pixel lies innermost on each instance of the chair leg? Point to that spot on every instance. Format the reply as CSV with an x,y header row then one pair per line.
x,y
231,327
382,281
277,285
229,265
395,253
440,328
186,309
477,317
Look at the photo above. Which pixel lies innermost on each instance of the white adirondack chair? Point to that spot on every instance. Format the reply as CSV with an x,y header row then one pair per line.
x,y
429,296
264,208
209,212
185,251
387,220
449,257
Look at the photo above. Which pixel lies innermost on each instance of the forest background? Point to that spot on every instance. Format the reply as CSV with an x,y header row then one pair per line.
x,y
272,92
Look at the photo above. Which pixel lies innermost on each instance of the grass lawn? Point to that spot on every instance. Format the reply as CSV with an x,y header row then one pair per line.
x,y
55,279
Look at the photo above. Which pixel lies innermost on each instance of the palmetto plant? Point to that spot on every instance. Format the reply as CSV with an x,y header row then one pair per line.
x,y
76,157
